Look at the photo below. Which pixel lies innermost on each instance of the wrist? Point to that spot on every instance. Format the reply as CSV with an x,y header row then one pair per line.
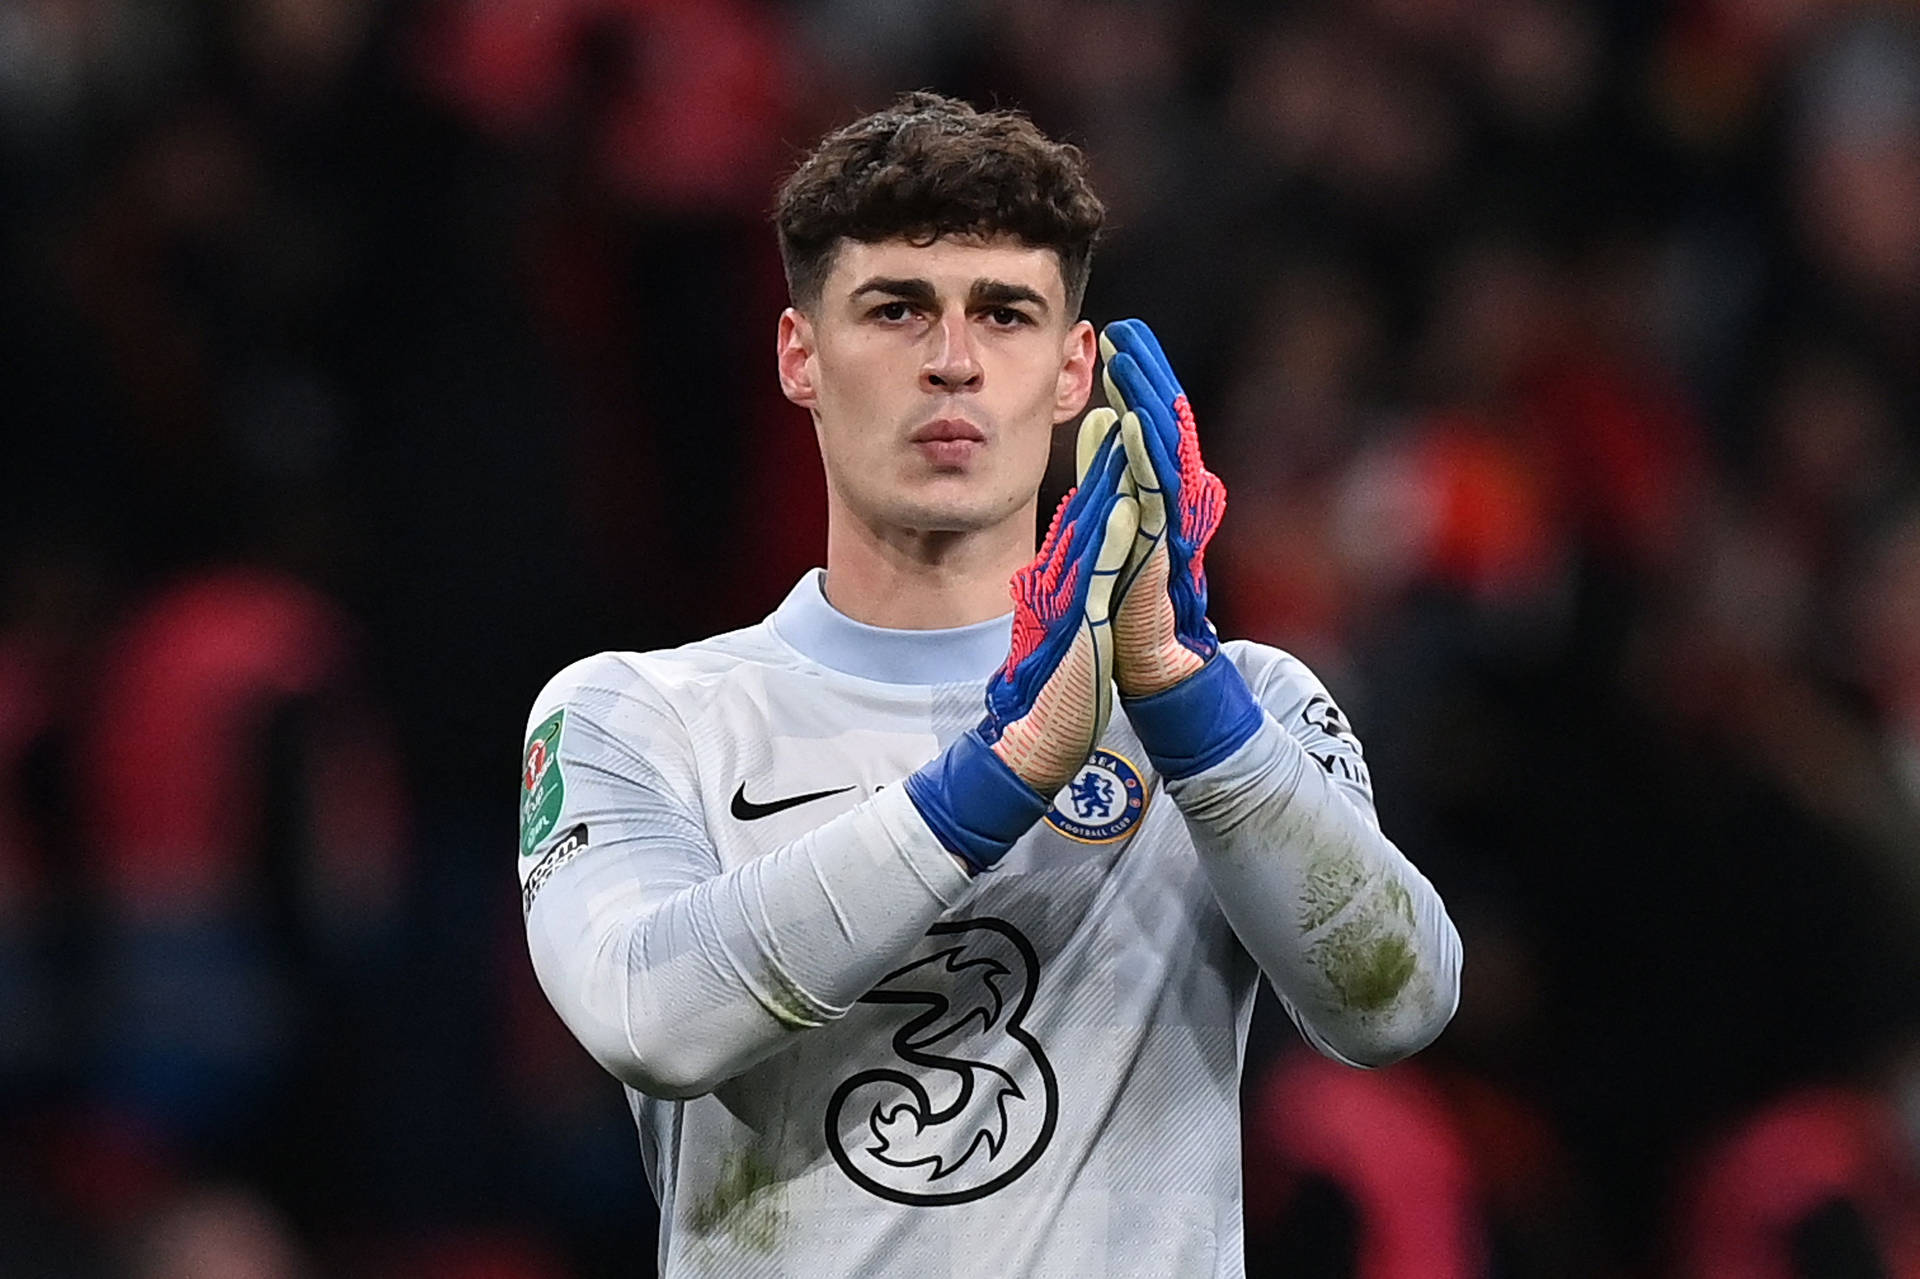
x,y
974,804
1197,722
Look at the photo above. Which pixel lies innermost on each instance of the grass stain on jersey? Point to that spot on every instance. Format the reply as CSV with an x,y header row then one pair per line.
x,y
1331,882
1400,901
1367,967
1368,956
744,1202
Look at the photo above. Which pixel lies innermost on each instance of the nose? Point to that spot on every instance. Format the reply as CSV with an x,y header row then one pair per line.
x,y
952,364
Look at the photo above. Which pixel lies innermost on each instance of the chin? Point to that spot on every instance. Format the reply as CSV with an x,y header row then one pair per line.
x,y
953,513
943,520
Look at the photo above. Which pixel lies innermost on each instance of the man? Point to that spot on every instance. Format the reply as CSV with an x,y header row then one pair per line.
x,y
895,990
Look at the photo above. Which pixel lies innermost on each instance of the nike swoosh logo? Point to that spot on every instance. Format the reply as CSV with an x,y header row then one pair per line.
x,y
746,810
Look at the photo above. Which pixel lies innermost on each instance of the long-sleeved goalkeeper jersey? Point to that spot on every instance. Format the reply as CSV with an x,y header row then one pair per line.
x,y
844,1055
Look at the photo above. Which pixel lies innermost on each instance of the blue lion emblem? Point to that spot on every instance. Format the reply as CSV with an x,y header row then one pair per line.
x,y
1092,795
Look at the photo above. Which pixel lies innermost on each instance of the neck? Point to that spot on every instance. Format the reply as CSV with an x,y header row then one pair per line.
x,y
905,579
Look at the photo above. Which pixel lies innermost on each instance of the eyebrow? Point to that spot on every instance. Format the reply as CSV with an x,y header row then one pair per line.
x,y
914,290
1000,293
984,293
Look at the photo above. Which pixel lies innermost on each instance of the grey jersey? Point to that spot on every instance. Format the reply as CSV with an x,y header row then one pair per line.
x,y
1037,1071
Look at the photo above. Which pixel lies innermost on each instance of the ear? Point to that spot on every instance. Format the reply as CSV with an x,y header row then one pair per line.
x,y
1077,353
794,355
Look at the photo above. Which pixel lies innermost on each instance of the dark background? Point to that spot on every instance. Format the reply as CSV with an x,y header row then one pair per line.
x,y
367,362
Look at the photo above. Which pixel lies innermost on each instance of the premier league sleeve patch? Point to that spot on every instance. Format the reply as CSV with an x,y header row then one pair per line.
x,y
1104,801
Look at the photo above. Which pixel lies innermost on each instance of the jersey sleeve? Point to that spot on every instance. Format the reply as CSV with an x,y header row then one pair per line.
x,y
674,972
1301,704
1355,940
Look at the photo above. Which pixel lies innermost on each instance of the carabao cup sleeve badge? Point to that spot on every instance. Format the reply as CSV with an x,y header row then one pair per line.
x,y
1105,800
543,791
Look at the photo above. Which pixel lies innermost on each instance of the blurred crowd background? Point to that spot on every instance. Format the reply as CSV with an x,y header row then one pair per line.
x,y
367,361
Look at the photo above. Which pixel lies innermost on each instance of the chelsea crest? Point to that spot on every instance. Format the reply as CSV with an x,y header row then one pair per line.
x,y
1104,801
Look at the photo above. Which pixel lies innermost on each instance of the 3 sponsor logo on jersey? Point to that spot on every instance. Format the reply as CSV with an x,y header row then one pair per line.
x,y
1105,800
967,1101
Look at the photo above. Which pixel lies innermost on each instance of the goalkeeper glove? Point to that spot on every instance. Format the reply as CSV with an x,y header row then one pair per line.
x,y
1049,702
1190,708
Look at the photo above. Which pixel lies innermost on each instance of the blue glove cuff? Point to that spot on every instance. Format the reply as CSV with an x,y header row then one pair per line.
x,y
1198,722
975,805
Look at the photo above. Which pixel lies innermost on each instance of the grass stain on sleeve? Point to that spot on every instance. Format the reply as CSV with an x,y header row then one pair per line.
x,y
1400,901
1331,882
1366,967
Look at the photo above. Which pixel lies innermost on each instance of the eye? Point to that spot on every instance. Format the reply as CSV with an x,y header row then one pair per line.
x,y
1007,317
892,312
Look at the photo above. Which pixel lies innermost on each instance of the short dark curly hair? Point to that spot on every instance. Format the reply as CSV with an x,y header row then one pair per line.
x,y
930,166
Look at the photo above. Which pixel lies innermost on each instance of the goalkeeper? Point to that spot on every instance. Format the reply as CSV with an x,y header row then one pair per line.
x,y
899,984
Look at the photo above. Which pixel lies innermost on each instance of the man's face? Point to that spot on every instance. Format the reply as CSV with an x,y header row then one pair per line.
x,y
935,375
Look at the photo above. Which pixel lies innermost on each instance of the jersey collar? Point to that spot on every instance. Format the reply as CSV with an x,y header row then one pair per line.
x,y
964,654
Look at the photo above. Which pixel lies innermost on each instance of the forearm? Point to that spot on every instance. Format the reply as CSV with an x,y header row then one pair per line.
x,y
675,987
1351,934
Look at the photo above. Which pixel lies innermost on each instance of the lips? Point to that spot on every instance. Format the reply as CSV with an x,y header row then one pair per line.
x,y
946,430
949,443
